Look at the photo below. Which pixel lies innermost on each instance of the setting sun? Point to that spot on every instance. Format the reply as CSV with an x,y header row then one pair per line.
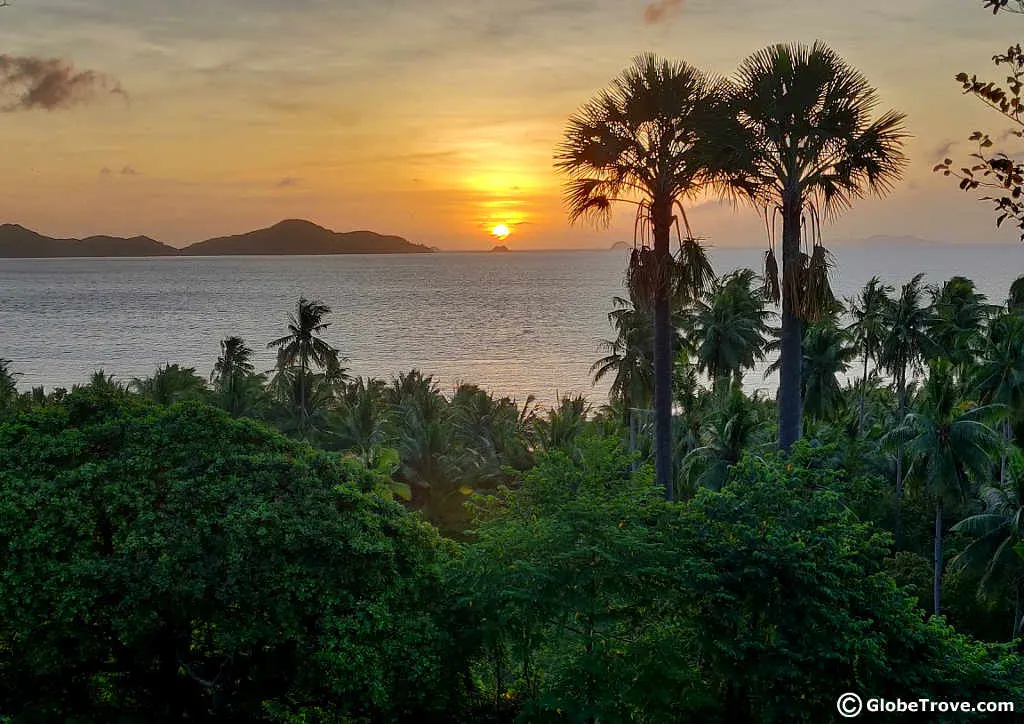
x,y
500,232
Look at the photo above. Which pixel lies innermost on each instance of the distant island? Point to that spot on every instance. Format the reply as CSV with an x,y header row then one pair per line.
x,y
500,247
292,236
621,246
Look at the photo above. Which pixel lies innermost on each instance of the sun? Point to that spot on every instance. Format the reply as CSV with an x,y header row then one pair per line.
x,y
500,232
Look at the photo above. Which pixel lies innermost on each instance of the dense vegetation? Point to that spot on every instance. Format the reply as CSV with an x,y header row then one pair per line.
x,y
300,545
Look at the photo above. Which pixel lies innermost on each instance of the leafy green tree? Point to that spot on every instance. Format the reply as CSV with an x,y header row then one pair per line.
x,y
810,146
728,327
995,533
171,383
303,345
948,446
169,564
868,330
643,140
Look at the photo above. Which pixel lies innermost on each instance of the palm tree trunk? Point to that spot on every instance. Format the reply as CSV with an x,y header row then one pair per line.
x,y
1006,442
791,347
937,557
863,395
632,437
662,352
902,412
302,387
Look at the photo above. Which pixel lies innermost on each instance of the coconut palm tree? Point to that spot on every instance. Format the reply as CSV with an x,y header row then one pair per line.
x,y
169,384
956,328
996,532
1000,372
560,427
868,331
733,427
644,140
728,327
948,446
8,384
810,146
1015,302
302,344
234,378
902,354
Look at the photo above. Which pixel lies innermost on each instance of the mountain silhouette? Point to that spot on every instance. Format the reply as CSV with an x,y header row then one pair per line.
x,y
292,236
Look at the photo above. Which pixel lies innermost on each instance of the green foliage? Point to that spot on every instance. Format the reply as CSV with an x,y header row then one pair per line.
x,y
599,601
169,562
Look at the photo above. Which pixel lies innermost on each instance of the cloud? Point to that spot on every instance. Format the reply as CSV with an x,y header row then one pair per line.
x,y
30,82
943,150
288,182
129,171
661,10
105,171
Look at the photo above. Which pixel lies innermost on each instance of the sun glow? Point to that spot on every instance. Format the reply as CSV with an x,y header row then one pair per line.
x,y
500,232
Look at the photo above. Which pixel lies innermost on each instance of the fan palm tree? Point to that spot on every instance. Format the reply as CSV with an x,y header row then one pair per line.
x,y
303,345
868,331
810,145
902,354
643,140
948,446
996,532
728,327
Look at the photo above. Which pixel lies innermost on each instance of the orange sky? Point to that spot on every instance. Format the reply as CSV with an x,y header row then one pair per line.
x,y
436,120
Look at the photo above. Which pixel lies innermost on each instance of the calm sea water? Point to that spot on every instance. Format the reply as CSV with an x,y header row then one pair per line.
x,y
517,324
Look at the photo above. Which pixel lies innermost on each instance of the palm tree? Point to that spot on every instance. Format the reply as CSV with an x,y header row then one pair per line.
x,y
996,532
560,428
1015,302
906,322
948,447
1000,372
734,424
809,147
957,324
360,422
643,140
8,384
233,377
868,330
827,354
302,344
170,384
728,327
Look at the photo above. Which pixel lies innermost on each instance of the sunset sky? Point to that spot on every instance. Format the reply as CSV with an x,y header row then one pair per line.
x,y
433,120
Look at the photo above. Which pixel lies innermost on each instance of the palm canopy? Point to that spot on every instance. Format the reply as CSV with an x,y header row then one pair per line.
x,y
642,140
808,129
302,344
867,311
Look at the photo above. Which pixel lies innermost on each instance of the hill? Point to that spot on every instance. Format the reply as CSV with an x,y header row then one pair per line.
x,y
621,246
18,242
295,236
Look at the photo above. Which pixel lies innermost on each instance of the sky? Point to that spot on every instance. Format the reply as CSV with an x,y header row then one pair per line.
x,y
435,120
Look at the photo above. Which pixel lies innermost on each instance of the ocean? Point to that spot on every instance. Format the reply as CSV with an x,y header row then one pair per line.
x,y
516,324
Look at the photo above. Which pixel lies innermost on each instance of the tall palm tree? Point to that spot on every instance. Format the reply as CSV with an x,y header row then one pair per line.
x,y
948,446
956,329
643,140
728,327
868,330
809,147
996,532
1000,373
902,354
302,344
233,377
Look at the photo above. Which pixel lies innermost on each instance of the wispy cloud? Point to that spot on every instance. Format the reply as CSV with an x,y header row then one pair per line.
x,y
662,10
30,82
288,182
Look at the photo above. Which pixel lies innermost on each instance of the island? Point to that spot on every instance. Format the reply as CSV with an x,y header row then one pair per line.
x,y
620,246
292,236
500,248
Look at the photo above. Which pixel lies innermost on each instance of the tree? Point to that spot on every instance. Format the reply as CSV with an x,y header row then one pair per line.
x,y
171,564
948,446
1015,302
995,532
906,321
728,329
643,140
956,327
233,377
808,148
827,354
302,344
868,330
8,384
169,384
1000,373
629,357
